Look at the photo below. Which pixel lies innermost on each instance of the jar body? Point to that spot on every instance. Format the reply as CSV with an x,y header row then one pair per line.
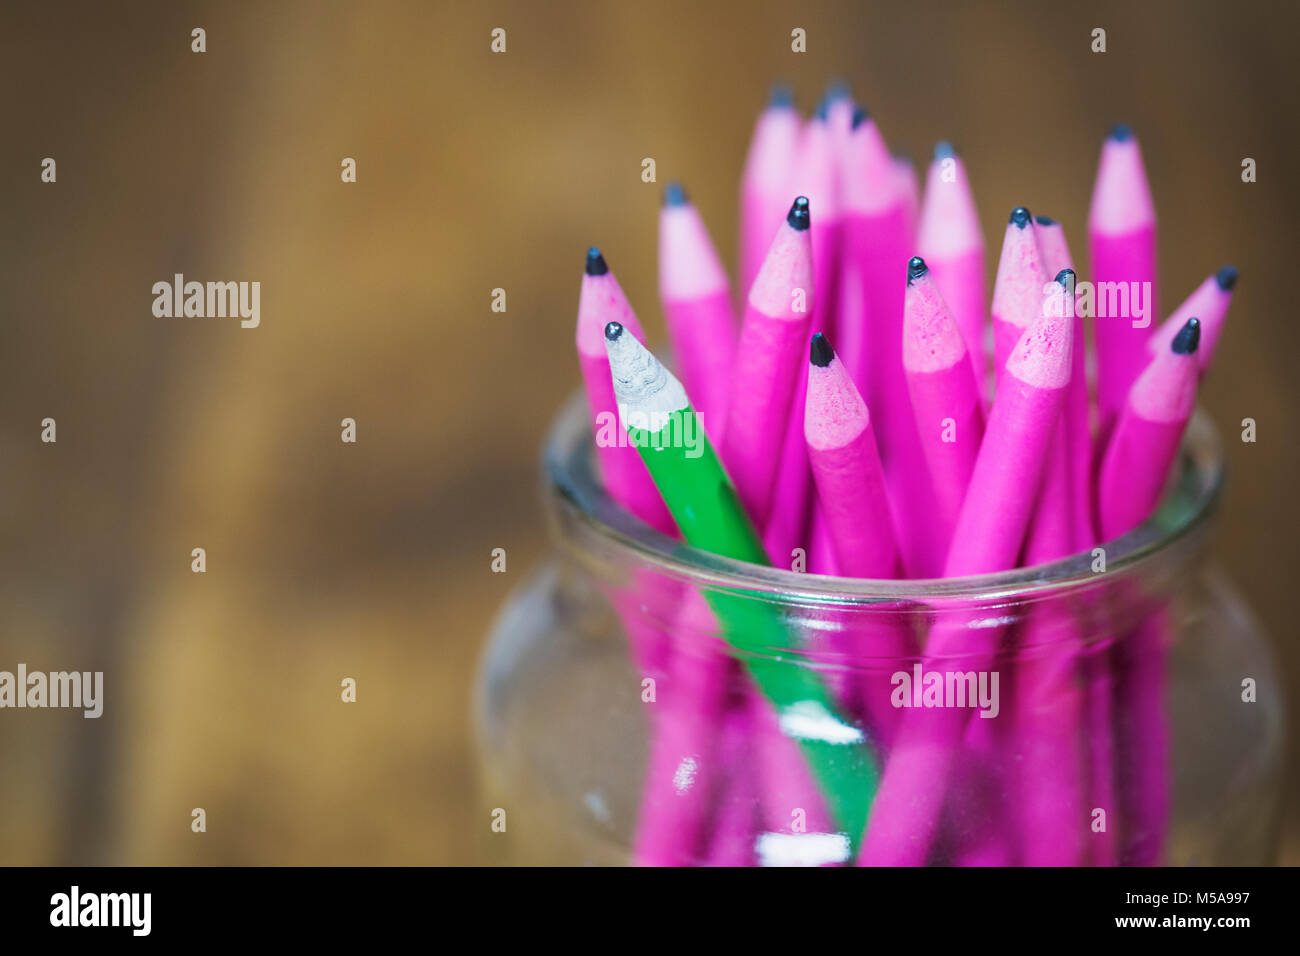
x,y
568,728
640,701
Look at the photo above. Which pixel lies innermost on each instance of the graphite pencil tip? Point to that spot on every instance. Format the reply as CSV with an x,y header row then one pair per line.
x,y
1044,221
798,217
1066,278
1226,277
944,150
916,268
613,330
596,262
1120,132
838,89
781,96
1188,338
820,352
675,194
860,116
1020,217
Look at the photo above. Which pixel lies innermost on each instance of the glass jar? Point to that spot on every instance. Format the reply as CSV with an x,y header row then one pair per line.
x,y
1117,707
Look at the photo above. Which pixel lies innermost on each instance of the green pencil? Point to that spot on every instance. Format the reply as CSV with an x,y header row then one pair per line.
x,y
664,427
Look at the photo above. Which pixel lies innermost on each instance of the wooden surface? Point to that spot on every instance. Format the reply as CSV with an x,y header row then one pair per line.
x,y
475,171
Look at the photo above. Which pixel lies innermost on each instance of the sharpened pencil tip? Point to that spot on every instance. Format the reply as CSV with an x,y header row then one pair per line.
x,y
1188,338
1066,278
613,330
596,262
675,194
1120,132
860,116
820,352
944,150
1044,221
1226,277
781,96
798,217
823,109
1020,217
916,268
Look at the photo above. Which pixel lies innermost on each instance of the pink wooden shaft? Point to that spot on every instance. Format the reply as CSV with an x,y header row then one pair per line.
x,y
1103,846
878,247
938,396
961,280
704,343
1007,472
767,368
1143,730
734,826
684,759
1048,709
1134,472
1121,348
851,490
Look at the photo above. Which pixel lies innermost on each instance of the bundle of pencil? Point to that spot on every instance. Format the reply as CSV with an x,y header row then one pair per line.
x,y
869,409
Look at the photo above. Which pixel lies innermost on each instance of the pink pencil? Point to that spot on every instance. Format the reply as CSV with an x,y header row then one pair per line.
x,y
767,365
1209,303
1145,440
1049,704
945,396
1077,429
765,184
696,298
988,536
817,178
1018,288
879,241
854,501
951,242
626,478
1134,471
1122,246
846,467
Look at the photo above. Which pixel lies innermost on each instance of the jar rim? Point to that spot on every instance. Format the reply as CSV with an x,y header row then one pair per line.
x,y
571,483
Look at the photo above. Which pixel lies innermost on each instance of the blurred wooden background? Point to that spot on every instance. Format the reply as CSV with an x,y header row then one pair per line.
x,y
475,171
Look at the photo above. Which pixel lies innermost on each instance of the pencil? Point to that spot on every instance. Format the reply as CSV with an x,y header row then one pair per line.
x,y
1122,247
816,177
847,470
951,242
878,241
626,479
945,396
696,298
1138,459
1054,251
1018,287
859,527
765,184
1048,707
707,508
767,364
